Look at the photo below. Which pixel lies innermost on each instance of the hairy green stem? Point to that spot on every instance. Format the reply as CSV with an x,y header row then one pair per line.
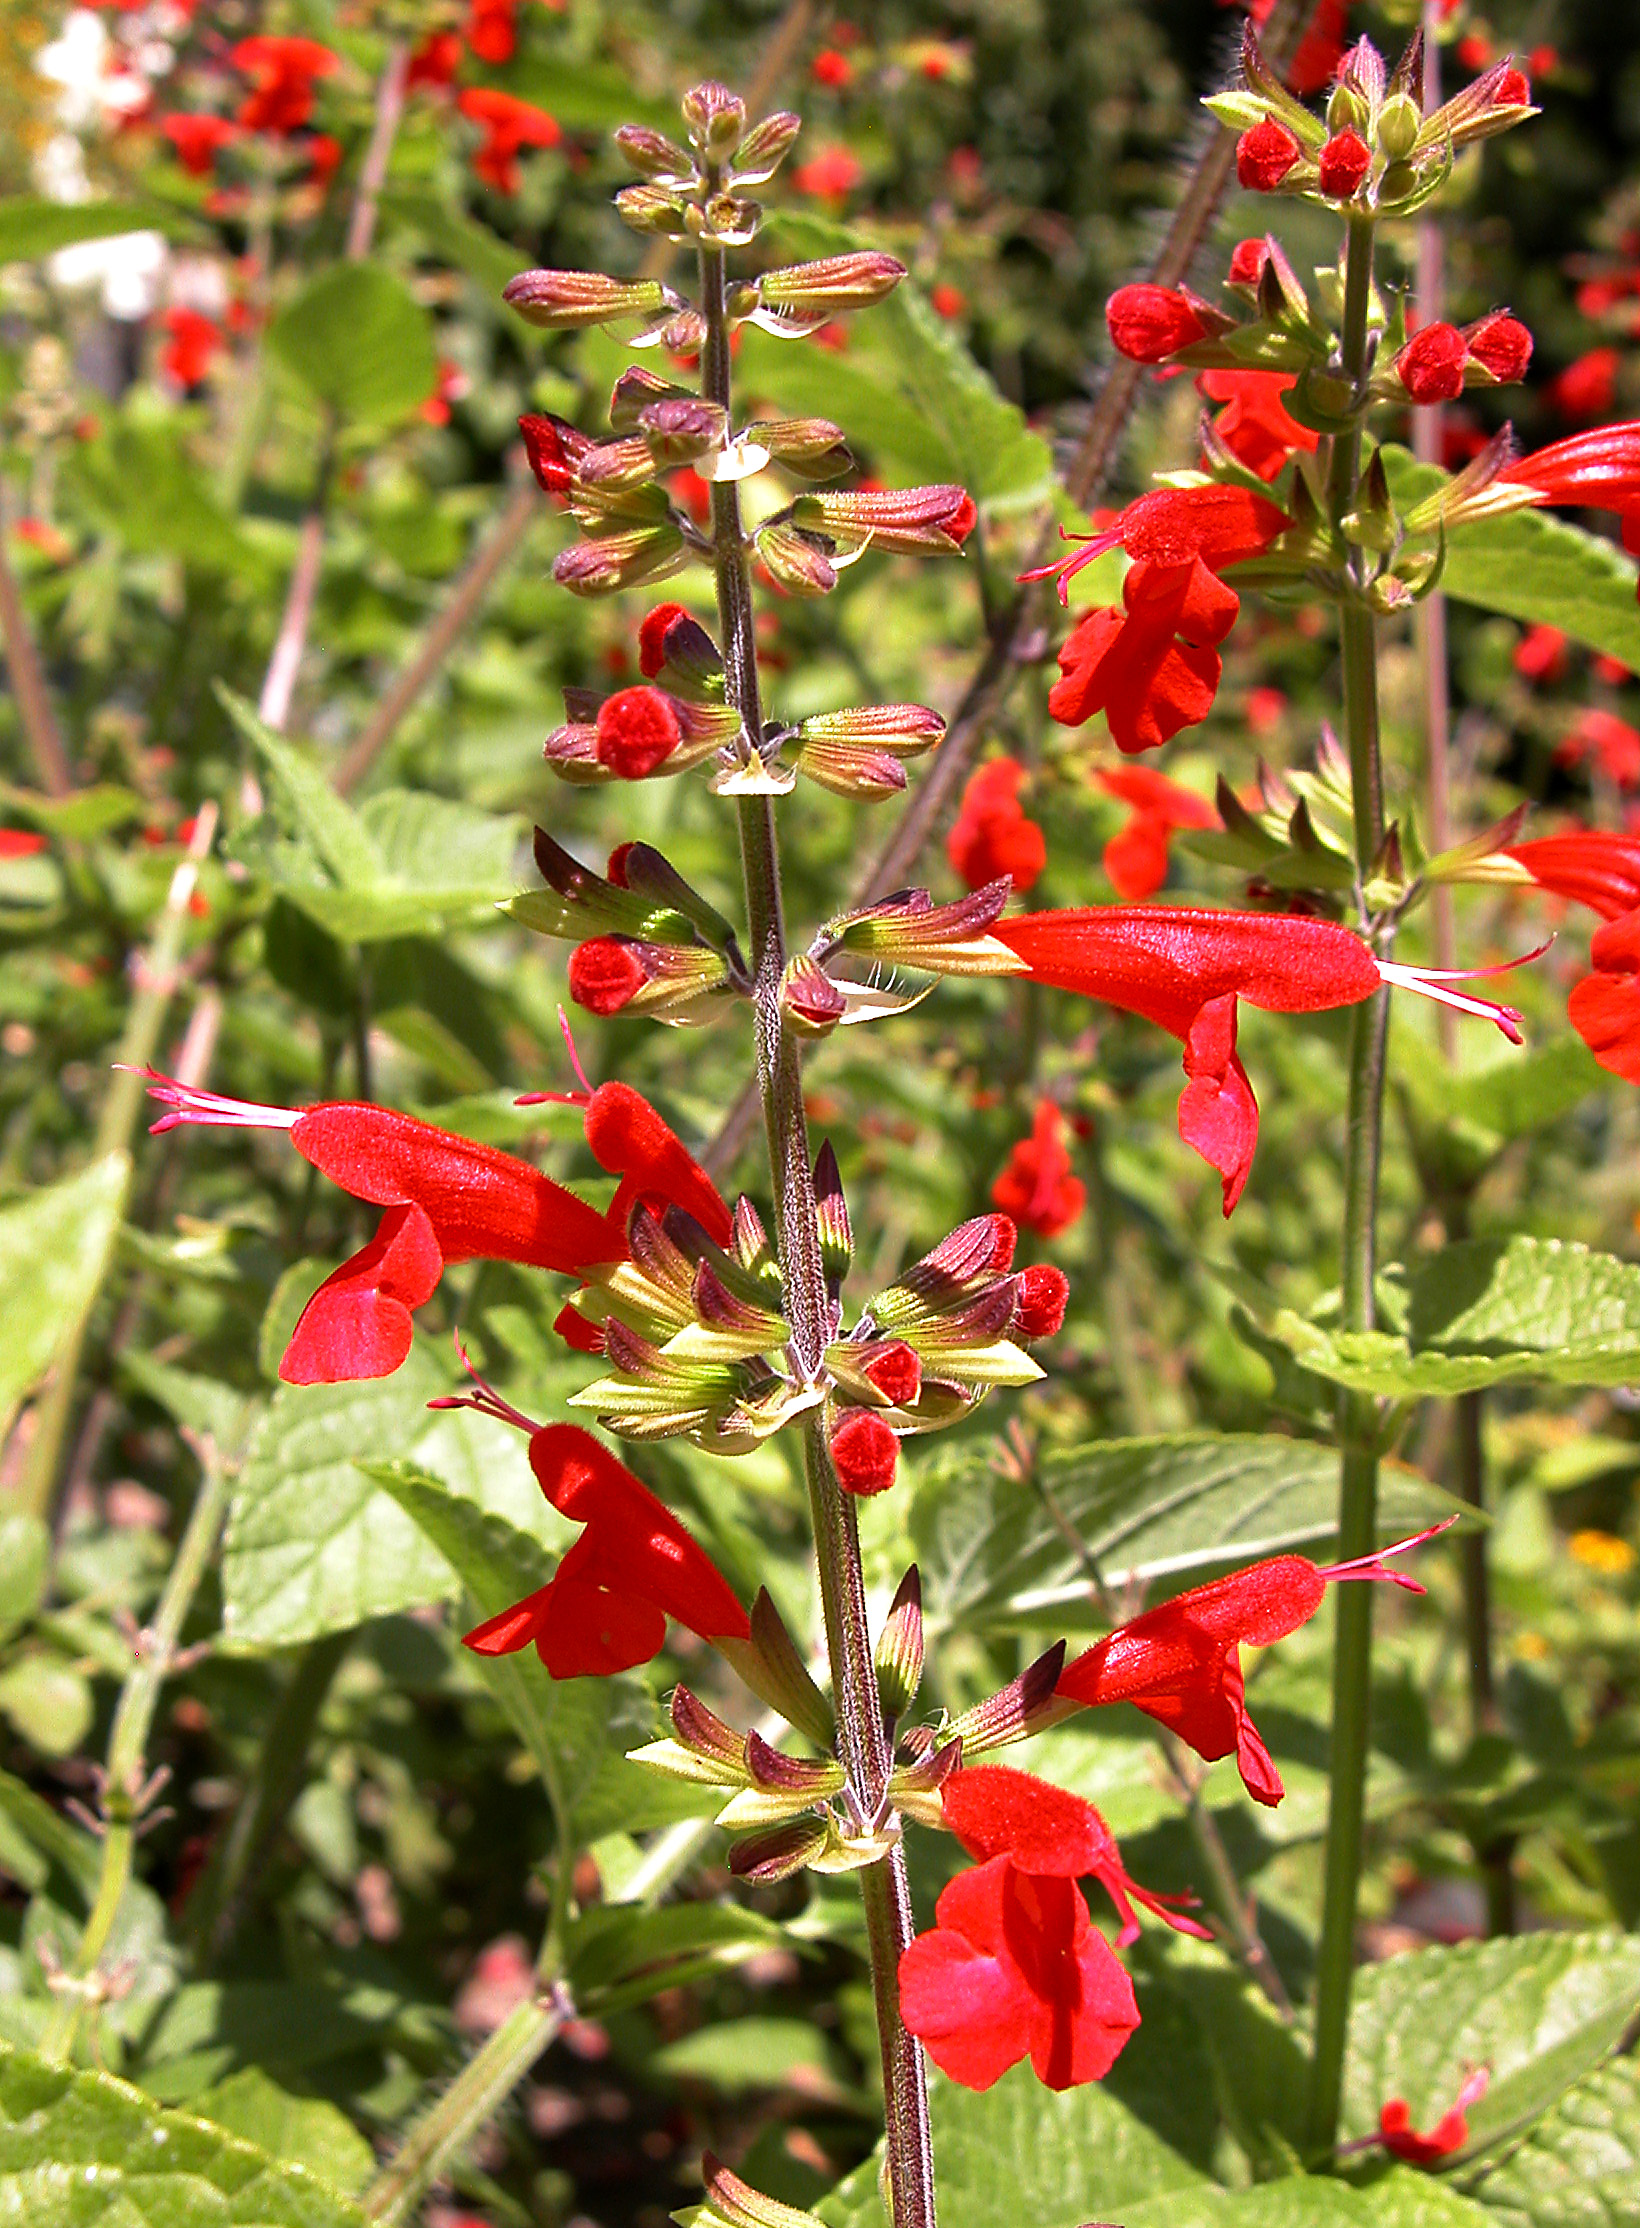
x,y
126,1792
1357,1416
862,1739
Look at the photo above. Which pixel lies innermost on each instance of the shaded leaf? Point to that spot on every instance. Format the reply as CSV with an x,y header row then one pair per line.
x,y
1580,2165
360,342
55,1244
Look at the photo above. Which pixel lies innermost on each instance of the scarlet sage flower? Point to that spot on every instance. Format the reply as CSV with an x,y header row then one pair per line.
x,y
1342,164
1037,1189
1588,866
1449,2134
509,125
491,31
1604,1008
1540,654
20,843
992,835
1255,426
1265,154
447,1200
1148,324
829,175
283,73
605,1607
435,61
198,140
1181,1663
1586,388
1014,1967
1598,470
1430,366
1136,858
1185,969
193,341
1599,738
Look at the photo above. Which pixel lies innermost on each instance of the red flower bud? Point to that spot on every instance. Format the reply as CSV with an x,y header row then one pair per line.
x,y
554,450
1151,323
1247,261
1265,154
637,732
897,1374
1430,366
652,637
1043,1294
1512,90
864,1452
1501,345
1343,163
605,974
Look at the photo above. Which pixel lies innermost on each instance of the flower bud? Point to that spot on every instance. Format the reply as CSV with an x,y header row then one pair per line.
x,y
1501,345
609,562
900,1648
765,148
716,118
832,1217
658,157
1247,261
897,1374
1346,110
673,642
608,974
1399,179
561,299
635,390
637,732
1042,1295
831,284
764,1858
613,468
605,974
1150,323
1400,120
682,429
1342,164
796,561
1265,154
864,1452
812,1002
909,521
813,448
656,211
554,449
1430,366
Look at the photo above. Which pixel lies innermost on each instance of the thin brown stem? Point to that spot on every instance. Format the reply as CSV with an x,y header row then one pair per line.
x,y
384,129
35,715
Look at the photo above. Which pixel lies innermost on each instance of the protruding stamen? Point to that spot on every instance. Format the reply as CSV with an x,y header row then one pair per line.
x,y
1372,1566
1065,568
485,1401
1431,982
188,1103
562,1098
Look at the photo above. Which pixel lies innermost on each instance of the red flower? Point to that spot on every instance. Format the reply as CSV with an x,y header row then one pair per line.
x,y
1265,154
1343,163
1051,1834
1184,970
638,731
20,843
1042,1294
1450,2133
605,974
1611,743
1588,387
1320,50
1598,470
435,61
1151,668
605,1607
992,836
831,68
1256,428
198,140
1589,867
1150,323
1014,1967
1136,859
1171,525
1430,366
490,30
448,1200
1501,345
831,174
1604,1008
864,1452
1247,261
1540,654
509,125
282,74
1037,1188
947,301
1181,1663
194,340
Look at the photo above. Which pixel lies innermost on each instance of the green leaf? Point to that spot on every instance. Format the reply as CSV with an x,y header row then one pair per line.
x,y
68,1847
78,2148
80,818
621,1955
1580,2165
740,2056
360,342
1533,568
302,2130
1400,2198
1169,1508
1540,2011
1488,1311
142,485
31,227
313,1544
47,1702
1019,2153
55,1245
212,2029
25,1556
483,255
333,828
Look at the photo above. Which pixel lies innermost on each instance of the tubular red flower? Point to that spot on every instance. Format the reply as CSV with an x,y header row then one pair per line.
x,y
1587,387
605,974
864,1452
554,449
1221,525
992,835
1184,970
1041,1297
491,31
282,74
1604,1008
1540,655
1265,154
638,731
1255,426
198,140
652,637
1014,1967
1611,743
606,1606
1599,470
1430,366
509,125
1150,668
194,341
1588,866
435,61
1501,344
1136,859
1247,261
1150,323
1051,1834
1037,1189
1181,1663
1449,2134
1342,164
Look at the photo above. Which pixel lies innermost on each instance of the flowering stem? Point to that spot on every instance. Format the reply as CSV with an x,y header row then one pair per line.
x,y
862,1741
1357,1419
